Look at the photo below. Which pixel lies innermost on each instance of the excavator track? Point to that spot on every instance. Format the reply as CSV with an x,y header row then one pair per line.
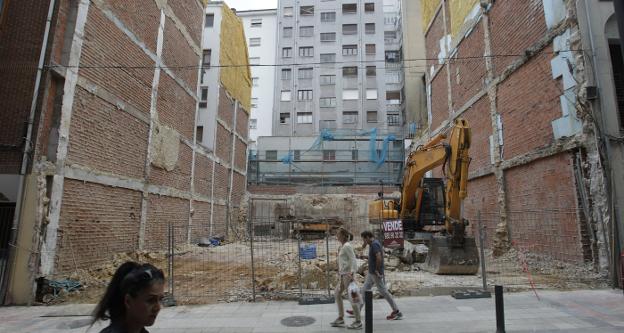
x,y
444,259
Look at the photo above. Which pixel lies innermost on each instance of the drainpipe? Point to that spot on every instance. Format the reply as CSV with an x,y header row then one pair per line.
x,y
28,147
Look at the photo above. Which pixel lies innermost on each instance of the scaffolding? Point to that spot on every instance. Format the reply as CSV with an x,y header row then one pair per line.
x,y
336,157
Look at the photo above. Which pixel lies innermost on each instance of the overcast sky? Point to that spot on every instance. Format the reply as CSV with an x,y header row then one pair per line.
x,y
251,4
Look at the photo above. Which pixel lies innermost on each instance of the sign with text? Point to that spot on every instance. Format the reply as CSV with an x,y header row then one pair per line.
x,y
393,234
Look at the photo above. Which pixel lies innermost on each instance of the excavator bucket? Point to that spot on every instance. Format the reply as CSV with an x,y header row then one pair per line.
x,y
444,259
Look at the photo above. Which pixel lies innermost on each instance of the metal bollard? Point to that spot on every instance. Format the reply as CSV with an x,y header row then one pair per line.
x,y
500,309
368,311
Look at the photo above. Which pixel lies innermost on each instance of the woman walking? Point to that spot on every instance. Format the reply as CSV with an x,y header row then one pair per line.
x,y
347,267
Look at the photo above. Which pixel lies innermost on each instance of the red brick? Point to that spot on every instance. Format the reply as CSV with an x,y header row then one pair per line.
x,y
176,108
201,221
163,211
468,69
439,99
142,17
179,56
190,13
180,177
203,175
479,120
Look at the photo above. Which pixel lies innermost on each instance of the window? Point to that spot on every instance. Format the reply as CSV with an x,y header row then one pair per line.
x,y
327,102
349,117
369,7
253,123
328,80
288,11
286,74
285,96
369,28
209,20
349,8
254,103
256,23
307,31
371,49
306,10
349,71
354,155
327,124
200,133
397,144
390,34
328,57
297,155
328,36
393,97
203,98
254,61
371,116
349,50
287,32
306,51
393,119
393,77
329,155
350,94
305,73
304,117
371,93
254,41
304,95
271,155
371,71
206,58
349,29
284,118
392,56
328,17
287,52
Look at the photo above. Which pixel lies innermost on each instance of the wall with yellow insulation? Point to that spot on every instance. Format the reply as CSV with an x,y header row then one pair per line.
x,y
235,74
459,10
428,10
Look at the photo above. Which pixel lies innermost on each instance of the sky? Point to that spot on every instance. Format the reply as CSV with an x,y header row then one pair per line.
x,y
251,4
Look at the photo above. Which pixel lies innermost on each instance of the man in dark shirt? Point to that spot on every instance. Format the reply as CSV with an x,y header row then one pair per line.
x,y
376,272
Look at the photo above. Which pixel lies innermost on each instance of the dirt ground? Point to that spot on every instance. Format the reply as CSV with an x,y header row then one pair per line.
x,y
224,274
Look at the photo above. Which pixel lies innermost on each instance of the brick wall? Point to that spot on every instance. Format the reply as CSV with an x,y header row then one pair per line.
x,y
439,99
203,175
201,221
165,210
478,117
176,108
468,70
226,108
179,55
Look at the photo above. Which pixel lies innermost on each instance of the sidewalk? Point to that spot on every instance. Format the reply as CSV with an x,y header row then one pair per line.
x,y
573,311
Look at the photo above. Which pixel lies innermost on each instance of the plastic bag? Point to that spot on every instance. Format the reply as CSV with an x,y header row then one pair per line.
x,y
355,297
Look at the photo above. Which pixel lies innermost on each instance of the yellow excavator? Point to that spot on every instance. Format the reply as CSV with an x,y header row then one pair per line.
x,y
430,209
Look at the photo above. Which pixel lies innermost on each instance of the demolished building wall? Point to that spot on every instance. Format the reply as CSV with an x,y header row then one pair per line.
x,y
511,71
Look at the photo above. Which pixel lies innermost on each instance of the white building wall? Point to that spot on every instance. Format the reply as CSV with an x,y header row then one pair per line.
x,y
207,117
264,54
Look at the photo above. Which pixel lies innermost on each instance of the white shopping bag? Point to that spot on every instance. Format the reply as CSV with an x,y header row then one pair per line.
x,y
355,297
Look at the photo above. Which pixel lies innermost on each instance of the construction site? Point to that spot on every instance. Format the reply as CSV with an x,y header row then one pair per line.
x,y
487,151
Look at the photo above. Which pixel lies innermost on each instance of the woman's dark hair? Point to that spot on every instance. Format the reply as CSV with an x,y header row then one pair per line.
x,y
130,278
367,234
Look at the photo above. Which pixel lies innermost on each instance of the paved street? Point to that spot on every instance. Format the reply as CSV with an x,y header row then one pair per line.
x,y
577,311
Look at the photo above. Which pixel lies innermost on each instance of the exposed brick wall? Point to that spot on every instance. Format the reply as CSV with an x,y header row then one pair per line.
x,y
175,107
105,45
224,143
105,138
203,175
468,71
162,211
222,179
515,26
478,117
482,199
432,40
201,221
219,220
553,228
142,17
180,177
96,221
439,99
226,108
528,102
190,12
238,188
242,123
58,31
178,54
240,158
20,41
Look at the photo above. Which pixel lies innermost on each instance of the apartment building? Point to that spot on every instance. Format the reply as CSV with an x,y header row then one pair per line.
x,y
340,66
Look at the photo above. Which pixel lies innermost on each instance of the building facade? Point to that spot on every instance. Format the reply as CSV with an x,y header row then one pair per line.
x,y
102,135
516,71
340,66
261,32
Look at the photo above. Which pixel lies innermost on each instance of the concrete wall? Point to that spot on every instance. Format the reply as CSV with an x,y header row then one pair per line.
x,y
414,48
533,143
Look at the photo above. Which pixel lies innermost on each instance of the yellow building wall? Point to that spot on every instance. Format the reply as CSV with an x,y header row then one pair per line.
x,y
235,74
428,10
459,10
